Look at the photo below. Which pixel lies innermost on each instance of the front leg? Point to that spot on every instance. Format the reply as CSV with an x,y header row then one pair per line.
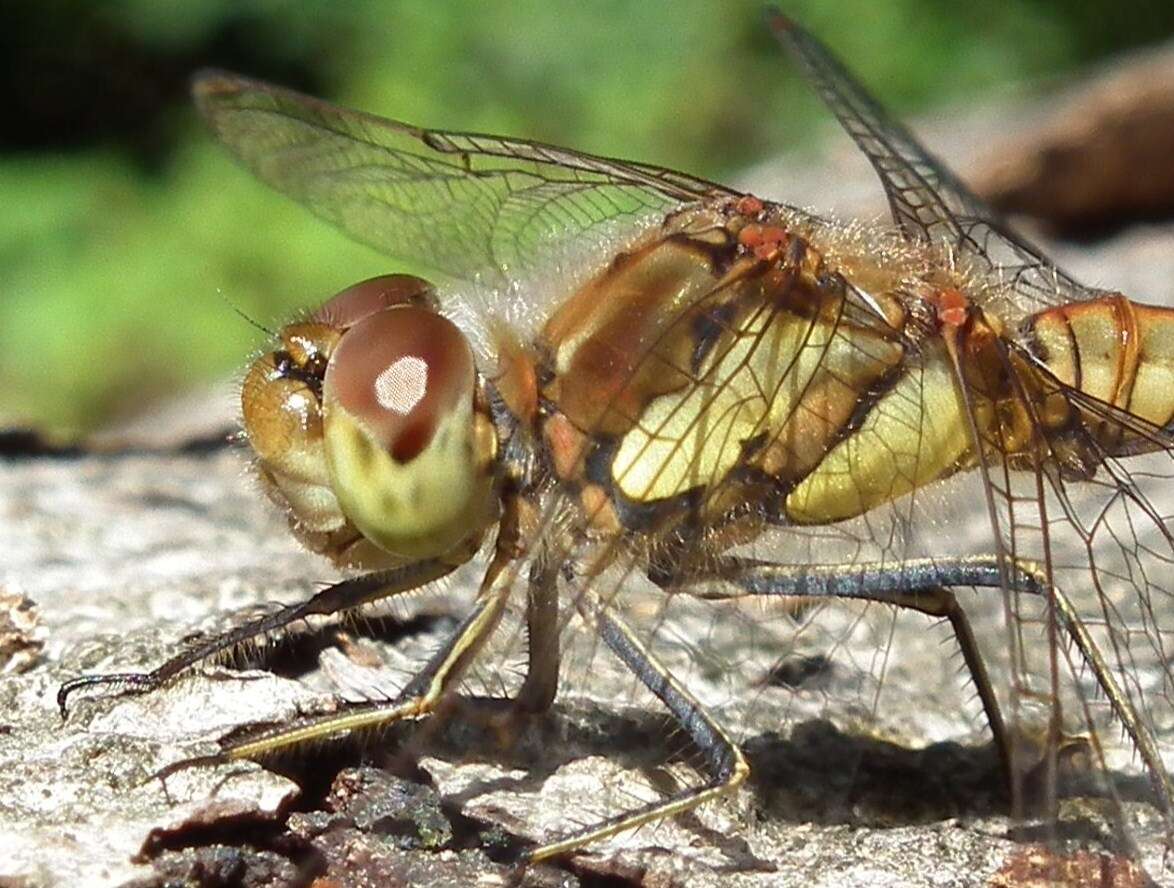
x,y
420,697
341,596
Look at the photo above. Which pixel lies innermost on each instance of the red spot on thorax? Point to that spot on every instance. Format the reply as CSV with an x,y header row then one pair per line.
x,y
749,205
764,241
750,236
952,307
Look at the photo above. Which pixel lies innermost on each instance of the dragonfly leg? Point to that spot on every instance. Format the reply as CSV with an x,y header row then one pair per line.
x,y
503,715
340,596
727,765
422,694
419,698
542,631
923,585
919,586
1143,739
938,601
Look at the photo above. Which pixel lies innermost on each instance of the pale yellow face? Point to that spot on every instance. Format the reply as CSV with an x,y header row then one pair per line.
x,y
365,423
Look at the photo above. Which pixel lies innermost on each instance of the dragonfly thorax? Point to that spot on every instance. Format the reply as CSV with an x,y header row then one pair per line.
x,y
713,365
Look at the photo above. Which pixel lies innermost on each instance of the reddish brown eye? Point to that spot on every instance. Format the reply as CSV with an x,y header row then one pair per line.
x,y
348,307
400,372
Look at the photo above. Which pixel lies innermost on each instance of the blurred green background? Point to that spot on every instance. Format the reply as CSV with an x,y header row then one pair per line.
x,y
126,236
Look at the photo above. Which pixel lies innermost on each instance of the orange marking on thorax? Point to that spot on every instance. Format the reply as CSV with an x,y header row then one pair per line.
x,y
566,445
952,307
750,236
601,511
749,205
764,241
517,380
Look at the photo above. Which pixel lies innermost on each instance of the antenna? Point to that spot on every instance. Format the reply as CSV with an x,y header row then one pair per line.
x,y
241,313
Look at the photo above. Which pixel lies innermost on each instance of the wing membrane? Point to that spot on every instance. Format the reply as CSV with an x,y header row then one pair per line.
x,y
469,206
1099,536
928,202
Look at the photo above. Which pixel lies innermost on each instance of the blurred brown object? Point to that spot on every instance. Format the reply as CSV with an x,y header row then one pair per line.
x,y
21,635
1105,157
1041,867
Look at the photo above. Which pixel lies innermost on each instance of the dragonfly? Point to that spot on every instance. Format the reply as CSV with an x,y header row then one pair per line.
x,y
624,379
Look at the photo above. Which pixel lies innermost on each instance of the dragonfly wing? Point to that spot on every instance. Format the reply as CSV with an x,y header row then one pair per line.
x,y
928,202
1102,534
472,207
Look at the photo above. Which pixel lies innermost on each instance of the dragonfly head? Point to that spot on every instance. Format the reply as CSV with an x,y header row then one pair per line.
x,y
369,413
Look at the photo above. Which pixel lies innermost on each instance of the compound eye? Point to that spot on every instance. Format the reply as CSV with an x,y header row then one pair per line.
x,y
401,434
399,374
360,301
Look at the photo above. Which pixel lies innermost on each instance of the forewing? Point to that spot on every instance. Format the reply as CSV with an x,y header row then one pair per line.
x,y
476,208
928,202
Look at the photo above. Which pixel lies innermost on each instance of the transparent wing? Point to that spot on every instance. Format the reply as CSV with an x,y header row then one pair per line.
x,y
1102,533
471,207
1103,538
928,202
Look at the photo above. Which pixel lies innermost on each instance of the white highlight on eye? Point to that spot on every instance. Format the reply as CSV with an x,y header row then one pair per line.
x,y
402,384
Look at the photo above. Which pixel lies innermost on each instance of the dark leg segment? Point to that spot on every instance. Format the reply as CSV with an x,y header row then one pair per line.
x,y
419,697
920,584
340,596
726,763
542,634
